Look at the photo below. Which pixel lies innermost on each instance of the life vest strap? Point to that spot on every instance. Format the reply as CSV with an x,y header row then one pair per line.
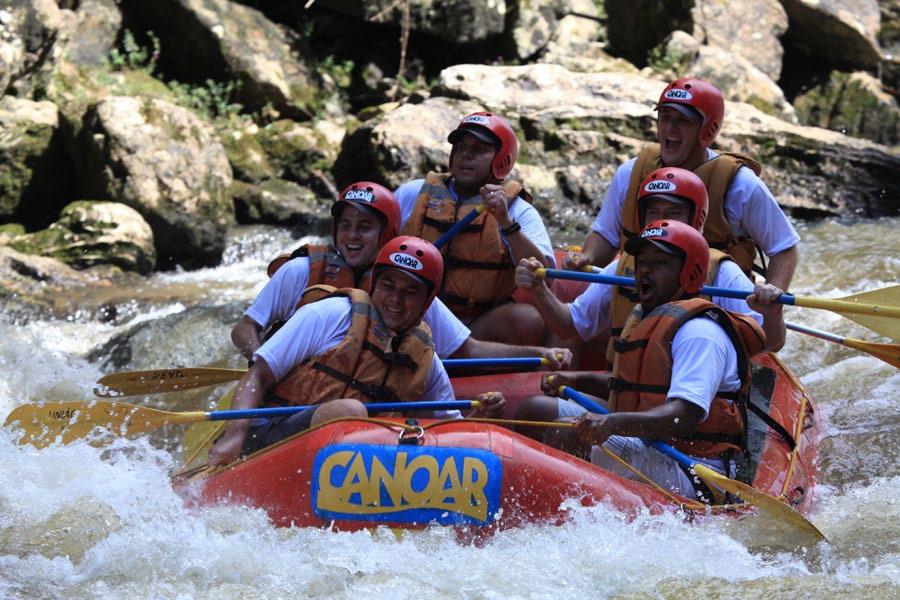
x,y
620,385
443,226
377,393
622,346
451,299
394,359
457,263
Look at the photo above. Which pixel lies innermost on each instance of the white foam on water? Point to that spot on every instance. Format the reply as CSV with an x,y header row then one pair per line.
x,y
154,544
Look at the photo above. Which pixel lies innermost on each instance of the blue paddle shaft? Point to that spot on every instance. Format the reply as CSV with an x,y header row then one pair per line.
x,y
707,290
524,361
284,411
457,227
592,406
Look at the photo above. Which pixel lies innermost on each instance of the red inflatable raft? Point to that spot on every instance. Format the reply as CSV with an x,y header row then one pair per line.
x,y
355,474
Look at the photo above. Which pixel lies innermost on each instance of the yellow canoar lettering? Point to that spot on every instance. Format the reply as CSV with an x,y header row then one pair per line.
x,y
330,497
475,486
441,487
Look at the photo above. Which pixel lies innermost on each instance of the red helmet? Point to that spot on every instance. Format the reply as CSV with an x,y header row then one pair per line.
x,y
676,237
492,129
673,182
703,97
414,256
369,197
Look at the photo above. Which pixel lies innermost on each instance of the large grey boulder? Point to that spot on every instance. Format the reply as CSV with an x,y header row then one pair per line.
x,y
536,23
161,160
279,202
751,29
35,286
31,34
97,25
740,81
225,41
840,33
88,234
33,172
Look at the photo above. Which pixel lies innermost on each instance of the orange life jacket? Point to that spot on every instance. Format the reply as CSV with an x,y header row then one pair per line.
x,y
369,364
717,175
479,273
642,372
326,267
625,299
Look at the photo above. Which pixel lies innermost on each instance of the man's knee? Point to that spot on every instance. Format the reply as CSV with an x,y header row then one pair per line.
x,y
339,409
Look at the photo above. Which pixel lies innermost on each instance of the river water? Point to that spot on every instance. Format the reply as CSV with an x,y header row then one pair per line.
x,y
86,522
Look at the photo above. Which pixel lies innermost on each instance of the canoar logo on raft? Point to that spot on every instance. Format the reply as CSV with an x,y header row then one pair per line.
x,y
406,484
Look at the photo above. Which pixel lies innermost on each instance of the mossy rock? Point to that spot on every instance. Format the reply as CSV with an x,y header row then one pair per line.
x,y
298,152
91,233
852,103
246,154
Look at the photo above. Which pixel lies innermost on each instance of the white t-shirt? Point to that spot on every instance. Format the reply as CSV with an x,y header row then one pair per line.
x,y
277,301
591,310
750,208
521,211
704,362
320,327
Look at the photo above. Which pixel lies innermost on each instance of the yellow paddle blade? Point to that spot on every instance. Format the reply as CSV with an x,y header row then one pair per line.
x,y
155,381
64,422
889,353
199,437
769,504
878,310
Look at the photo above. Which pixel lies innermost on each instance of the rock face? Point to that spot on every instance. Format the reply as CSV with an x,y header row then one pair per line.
x,y
225,41
636,26
32,169
95,233
162,161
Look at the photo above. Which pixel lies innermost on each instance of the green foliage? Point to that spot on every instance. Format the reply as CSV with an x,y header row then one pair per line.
x,y
211,99
341,72
132,55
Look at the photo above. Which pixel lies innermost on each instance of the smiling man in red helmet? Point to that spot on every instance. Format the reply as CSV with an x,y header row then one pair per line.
x,y
365,217
743,214
347,348
480,261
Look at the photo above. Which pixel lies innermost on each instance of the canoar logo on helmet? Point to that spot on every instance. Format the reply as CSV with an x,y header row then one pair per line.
x,y
653,232
406,261
678,94
363,195
660,186
477,120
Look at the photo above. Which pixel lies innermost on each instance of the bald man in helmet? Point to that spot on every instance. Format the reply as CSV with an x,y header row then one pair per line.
x,y
346,348
480,261
743,214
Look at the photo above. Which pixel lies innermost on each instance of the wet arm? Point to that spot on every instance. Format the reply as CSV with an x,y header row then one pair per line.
x,y
246,336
